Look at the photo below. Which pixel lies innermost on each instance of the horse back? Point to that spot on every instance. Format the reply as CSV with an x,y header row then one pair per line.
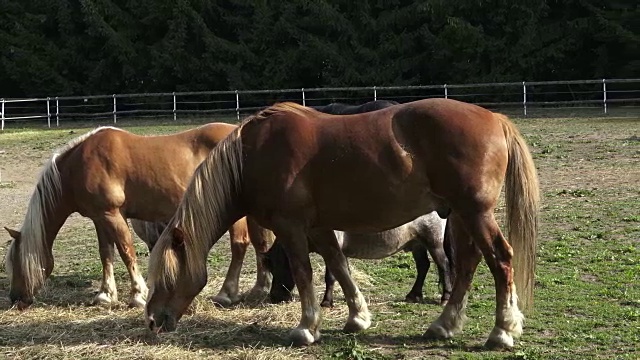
x,y
143,175
400,162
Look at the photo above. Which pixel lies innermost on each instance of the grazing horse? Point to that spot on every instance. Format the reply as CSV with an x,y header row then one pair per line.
x,y
229,294
345,109
302,173
427,232
109,175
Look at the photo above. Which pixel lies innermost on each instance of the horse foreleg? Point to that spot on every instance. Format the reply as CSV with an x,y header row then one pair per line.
x,y
229,292
119,230
108,293
327,245
421,259
294,242
329,283
452,318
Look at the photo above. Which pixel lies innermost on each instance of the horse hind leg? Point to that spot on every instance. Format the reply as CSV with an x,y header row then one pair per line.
x,y
229,292
421,259
436,249
329,283
261,239
452,318
277,262
498,255
327,245
118,230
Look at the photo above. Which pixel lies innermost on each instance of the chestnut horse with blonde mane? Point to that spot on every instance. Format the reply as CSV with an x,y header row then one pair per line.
x,y
109,175
302,173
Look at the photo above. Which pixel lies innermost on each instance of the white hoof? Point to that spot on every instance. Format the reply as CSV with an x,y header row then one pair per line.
x,y
103,299
138,301
357,323
303,337
437,332
499,339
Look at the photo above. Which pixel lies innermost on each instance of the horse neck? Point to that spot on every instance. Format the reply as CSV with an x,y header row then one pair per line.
x,y
41,225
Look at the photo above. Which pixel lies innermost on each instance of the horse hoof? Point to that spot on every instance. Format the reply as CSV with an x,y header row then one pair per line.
x,y
103,299
443,302
411,298
499,339
222,301
356,324
277,298
437,332
138,301
303,337
255,294
326,304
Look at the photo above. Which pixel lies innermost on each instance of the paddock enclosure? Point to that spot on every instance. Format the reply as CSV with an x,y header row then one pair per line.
x,y
587,294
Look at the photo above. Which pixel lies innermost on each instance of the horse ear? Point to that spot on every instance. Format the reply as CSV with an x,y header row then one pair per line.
x,y
15,234
177,237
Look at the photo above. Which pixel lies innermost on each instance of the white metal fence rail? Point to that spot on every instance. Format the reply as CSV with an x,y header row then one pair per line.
x,y
578,97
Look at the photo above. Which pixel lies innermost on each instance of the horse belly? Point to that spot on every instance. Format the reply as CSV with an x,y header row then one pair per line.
x,y
372,245
376,211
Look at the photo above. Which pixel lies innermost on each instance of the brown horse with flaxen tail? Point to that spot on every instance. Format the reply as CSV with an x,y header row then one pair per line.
x,y
301,174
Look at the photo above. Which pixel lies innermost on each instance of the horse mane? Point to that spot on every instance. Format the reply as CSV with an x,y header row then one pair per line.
x,y
282,107
208,203
203,212
45,198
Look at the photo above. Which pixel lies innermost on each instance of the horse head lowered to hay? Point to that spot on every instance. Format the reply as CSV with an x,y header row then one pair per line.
x,y
109,175
302,173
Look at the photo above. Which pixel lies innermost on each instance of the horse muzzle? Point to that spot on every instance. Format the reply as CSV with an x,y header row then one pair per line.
x,y
161,323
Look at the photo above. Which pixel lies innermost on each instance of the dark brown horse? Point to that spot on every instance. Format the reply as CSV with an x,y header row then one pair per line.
x,y
302,173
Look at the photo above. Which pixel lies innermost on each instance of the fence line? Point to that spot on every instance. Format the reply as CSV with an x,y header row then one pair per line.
x,y
528,96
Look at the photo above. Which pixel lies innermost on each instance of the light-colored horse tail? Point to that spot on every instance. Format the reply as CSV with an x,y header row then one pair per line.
x,y
32,242
522,198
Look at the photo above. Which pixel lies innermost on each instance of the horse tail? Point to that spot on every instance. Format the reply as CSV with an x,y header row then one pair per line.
x,y
522,198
